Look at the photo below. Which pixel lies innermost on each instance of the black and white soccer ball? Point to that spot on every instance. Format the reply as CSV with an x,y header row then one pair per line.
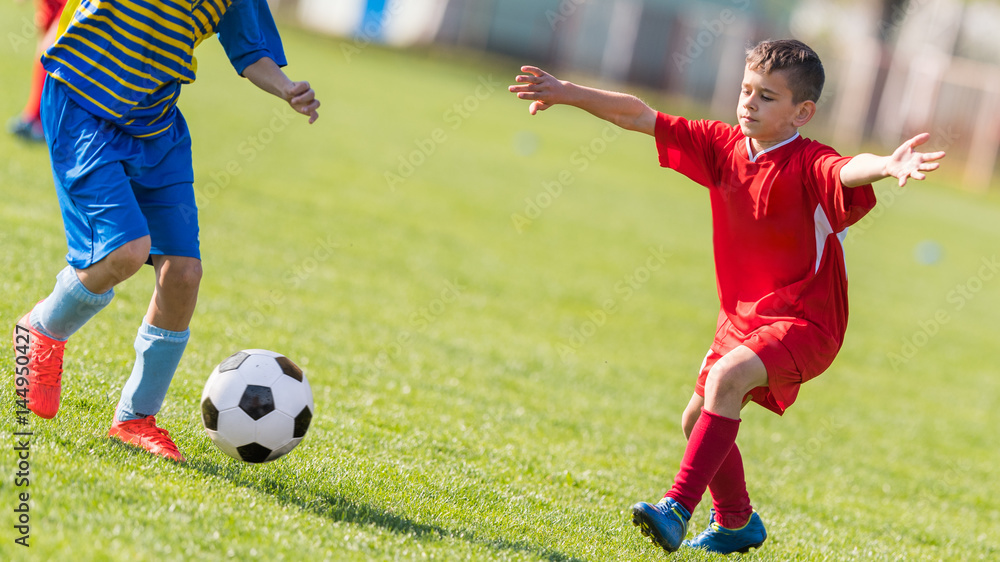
x,y
257,405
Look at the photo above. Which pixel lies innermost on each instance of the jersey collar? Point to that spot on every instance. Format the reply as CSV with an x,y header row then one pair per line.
x,y
753,157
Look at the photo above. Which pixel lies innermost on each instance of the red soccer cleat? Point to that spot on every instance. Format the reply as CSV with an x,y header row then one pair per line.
x,y
143,433
38,361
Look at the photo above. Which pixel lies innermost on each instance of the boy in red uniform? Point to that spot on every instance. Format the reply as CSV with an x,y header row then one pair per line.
x,y
781,205
28,125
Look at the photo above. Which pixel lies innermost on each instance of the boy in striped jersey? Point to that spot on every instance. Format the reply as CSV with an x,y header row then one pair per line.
x,y
121,159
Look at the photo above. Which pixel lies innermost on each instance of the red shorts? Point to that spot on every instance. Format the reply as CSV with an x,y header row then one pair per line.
x,y
47,12
792,352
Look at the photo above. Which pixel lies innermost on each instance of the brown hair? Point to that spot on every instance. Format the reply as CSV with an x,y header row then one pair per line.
x,y
801,63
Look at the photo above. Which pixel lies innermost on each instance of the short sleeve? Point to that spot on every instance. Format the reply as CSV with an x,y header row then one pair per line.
x,y
248,33
844,206
693,148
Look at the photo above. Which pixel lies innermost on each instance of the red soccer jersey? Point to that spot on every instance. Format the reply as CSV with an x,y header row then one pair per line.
x,y
778,220
47,12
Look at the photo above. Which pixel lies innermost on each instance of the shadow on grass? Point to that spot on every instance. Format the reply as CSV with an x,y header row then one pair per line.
x,y
339,509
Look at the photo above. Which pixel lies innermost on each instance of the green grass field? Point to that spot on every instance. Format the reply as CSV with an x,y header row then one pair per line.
x,y
486,388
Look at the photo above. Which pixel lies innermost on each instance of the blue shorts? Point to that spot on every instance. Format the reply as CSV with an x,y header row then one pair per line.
x,y
114,188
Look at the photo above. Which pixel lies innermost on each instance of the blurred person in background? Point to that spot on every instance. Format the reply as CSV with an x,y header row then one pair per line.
x,y
28,125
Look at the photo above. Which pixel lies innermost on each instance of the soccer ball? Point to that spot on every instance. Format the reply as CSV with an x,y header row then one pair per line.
x,y
256,405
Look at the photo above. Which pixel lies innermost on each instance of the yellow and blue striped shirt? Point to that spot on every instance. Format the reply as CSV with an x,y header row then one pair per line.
x,y
125,60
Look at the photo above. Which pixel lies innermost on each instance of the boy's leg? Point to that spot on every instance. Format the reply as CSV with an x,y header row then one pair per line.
x,y
730,499
159,346
711,440
162,337
122,263
165,193
691,413
714,433
40,337
171,215
80,294
734,526
712,458
666,522
176,292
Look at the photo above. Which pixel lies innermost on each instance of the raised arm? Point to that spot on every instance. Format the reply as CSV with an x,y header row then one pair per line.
x,y
268,76
624,110
903,164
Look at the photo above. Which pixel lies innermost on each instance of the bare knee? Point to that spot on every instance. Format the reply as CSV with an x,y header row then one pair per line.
x,y
181,275
730,379
722,381
123,262
129,258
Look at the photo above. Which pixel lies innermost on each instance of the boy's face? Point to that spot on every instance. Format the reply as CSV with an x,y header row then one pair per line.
x,y
766,111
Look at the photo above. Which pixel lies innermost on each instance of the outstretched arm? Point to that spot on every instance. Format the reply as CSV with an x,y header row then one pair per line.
x,y
268,76
903,164
626,111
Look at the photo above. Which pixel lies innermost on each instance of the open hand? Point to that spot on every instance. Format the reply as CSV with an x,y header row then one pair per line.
x,y
907,163
541,87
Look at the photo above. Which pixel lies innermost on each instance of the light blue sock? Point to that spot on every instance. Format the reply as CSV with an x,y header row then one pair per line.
x,y
157,354
68,308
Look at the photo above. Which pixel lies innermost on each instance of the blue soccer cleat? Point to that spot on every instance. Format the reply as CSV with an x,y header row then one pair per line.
x,y
721,540
665,523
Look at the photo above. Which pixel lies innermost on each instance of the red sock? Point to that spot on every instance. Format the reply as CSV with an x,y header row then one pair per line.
x,y
729,492
32,109
711,440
